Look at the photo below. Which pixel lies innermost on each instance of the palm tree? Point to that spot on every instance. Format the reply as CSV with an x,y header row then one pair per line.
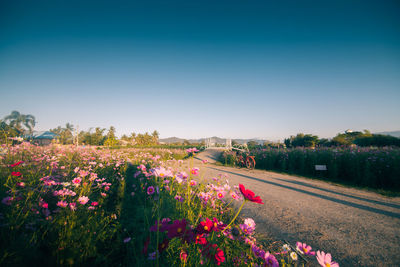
x,y
69,127
18,121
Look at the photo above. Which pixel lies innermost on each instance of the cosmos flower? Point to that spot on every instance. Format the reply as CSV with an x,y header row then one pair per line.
x,y
150,190
16,164
303,248
83,200
249,195
325,260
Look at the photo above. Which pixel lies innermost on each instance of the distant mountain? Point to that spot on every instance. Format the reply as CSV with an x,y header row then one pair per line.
x,y
214,139
392,133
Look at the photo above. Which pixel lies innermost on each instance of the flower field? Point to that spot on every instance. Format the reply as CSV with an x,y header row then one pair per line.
x,y
74,206
377,168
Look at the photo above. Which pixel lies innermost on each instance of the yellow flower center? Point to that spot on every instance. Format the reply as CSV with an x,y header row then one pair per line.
x,y
327,265
305,250
161,174
215,225
179,230
206,227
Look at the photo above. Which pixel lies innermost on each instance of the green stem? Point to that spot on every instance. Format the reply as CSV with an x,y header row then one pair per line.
x,y
234,218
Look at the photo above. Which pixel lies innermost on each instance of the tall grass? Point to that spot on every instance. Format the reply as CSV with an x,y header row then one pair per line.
x,y
368,167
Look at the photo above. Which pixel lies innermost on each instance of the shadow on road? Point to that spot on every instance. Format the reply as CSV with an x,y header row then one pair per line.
x,y
340,201
396,206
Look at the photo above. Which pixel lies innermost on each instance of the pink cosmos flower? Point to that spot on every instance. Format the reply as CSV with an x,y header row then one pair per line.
x,y
72,206
195,171
193,183
62,204
76,169
181,177
183,256
94,203
21,184
16,174
250,223
270,260
325,260
221,194
77,181
83,173
150,190
303,248
235,196
83,200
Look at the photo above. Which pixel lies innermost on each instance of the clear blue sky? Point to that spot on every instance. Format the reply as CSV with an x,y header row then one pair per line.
x,y
192,69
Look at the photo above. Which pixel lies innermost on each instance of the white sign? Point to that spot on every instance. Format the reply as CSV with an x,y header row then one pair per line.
x,y
320,168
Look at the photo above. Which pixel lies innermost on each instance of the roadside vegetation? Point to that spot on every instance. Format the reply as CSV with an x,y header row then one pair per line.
x,y
81,206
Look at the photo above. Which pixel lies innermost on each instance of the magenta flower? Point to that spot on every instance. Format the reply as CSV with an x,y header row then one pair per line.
x,y
16,174
220,194
77,181
94,203
325,260
270,260
150,190
195,171
193,183
258,251
303,248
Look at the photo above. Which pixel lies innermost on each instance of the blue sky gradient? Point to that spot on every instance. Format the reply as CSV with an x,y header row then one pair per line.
x,y
239,69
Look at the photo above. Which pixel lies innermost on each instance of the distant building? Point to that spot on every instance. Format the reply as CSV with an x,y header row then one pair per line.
x,y
42,138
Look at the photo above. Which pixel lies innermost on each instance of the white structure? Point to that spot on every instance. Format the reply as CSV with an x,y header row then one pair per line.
x,y
211,143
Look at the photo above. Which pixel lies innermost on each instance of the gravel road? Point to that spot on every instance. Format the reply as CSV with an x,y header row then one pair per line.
x,y
359,228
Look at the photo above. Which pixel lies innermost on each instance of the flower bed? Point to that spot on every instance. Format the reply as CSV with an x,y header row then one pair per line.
x,y
81,206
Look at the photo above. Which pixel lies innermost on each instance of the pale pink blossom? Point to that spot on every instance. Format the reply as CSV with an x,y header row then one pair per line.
x,y
62,204
83,200
325,260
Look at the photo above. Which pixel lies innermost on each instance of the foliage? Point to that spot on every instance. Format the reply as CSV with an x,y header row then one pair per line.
x,y
369,167
21,122
377,140
65,134
301,140
74,206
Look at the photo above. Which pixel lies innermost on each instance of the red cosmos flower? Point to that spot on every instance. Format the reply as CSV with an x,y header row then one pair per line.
x,y
249,195
200,239
212,251
205,226
16,174
176,229
16,164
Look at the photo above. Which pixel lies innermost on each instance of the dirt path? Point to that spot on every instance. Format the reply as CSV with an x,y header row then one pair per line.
x,y
358,228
